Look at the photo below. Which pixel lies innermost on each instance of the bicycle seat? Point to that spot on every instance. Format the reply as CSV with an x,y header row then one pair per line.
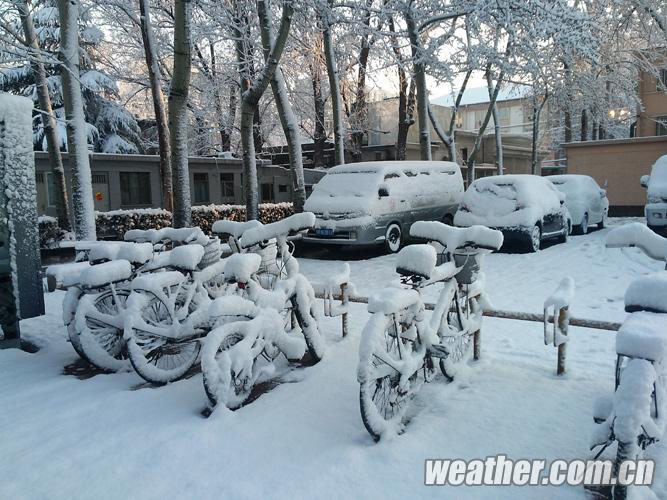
x,y
101,275
157,281
643,335
185,257
648,293
292,224
241,266
392,300
233,228
473,238
135,253
417,260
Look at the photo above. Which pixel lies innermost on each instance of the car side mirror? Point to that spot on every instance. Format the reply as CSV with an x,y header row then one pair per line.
x,y
383,192
603,193
644,180
562,202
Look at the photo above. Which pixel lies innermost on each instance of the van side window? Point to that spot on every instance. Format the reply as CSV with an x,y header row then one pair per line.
x,y
392,175
410,173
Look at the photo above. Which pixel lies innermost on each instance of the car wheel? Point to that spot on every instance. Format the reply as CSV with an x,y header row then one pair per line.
x,y
448,219
566,233
392,241
535,239
603,222
583,227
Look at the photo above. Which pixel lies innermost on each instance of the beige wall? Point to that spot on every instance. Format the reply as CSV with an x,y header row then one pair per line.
x,y
621,162
654,102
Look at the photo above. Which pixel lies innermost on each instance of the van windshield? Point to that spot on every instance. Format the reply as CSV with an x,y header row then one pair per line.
x,y
360,184
657,186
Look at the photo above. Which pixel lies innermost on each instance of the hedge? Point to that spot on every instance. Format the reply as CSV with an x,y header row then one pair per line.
x,y
114,224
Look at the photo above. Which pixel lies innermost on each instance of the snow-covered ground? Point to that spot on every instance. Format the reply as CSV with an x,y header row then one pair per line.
x,y
111,436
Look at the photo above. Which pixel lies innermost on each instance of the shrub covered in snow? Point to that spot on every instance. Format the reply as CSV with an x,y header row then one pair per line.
x,y
115,224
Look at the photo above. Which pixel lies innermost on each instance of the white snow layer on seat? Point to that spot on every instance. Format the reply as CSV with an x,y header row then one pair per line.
x,y
241,266
455,237
157,281
211,271
293,223
179,235
638,235
136,253
186,257
648,292
234,228
418,259
108,272
392,300
643,335
562,296
232,305
68,274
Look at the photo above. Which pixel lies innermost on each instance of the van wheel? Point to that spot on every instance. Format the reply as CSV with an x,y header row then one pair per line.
x,y
534,239
603,222
392,241
583,227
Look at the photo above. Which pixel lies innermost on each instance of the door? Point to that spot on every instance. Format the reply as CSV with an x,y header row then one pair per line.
x,y
101,191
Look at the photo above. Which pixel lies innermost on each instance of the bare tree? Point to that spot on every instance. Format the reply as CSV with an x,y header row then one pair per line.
x,y
178,109
249,104
47,116
77,144
285,113
161,123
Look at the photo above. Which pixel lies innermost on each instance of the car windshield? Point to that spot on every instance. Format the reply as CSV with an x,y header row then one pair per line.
x,y
492,198
360,184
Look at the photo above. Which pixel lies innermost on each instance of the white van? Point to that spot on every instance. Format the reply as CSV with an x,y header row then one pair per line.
x,y
656,183
375,203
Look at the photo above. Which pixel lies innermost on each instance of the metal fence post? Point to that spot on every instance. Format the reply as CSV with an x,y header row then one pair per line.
x,y
344,298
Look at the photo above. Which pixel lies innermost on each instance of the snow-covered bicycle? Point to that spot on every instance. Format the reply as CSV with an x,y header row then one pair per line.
x,y
95,308
274,308
636,416
400,343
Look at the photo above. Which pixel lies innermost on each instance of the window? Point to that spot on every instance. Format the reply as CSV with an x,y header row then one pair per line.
x,y
282,188
99,178
39,178
379,156
200,187
504,116
227,185
464,154
267,193
135,188
661,125
661,81
51,189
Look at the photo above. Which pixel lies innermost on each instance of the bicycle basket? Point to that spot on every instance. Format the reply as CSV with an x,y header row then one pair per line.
x,y
469,265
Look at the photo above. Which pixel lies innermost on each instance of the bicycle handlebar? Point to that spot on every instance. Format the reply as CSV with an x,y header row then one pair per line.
x,y
638,235
456,238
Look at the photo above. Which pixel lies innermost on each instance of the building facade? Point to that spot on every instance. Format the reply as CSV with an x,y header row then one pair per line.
x,y
133,181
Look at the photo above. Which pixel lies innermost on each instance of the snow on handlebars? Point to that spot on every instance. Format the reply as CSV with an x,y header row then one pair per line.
x,y
638,235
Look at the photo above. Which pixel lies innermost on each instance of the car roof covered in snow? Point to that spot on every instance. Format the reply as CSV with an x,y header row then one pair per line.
x,y
568,177
384,167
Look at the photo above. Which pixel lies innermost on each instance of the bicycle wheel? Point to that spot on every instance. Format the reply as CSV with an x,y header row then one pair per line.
x,y
225,381
456,334
383,392
159,350
305,313
98,327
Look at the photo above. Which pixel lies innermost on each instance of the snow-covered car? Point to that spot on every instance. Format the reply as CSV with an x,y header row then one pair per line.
x,y
656,183
375,203
527,208
585,200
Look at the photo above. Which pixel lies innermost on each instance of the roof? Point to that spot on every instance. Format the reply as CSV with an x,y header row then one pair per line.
x,y
378,167
480,95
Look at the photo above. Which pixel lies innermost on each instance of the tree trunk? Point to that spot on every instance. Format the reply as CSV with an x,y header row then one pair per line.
x,y
319,135
406,111
161,124
480,134
77,144
178,109
359,109
567,118
334,86
226,134
594,131
496,126
287,118
249,104
584,125
422,92
452,122
535,135
47,117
